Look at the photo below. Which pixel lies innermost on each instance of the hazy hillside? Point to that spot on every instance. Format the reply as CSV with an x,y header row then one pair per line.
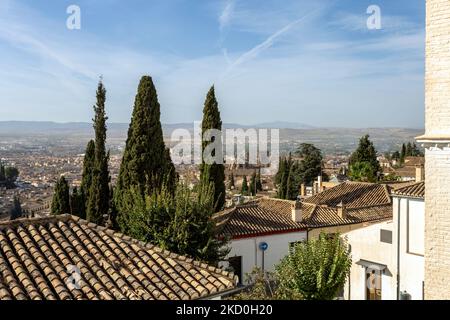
x,y
330,140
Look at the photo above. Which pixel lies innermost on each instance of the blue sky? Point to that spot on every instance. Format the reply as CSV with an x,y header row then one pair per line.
x,y
305,61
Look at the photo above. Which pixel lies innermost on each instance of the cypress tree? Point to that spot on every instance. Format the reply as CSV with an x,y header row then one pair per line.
x,y
258,181
252,187
215,171
16,211
61,201
244,188
403,154
2,172
76,203
98,198
409,150
145,159
86,180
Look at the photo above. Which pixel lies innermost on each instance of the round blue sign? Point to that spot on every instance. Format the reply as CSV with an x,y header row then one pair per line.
x,y
263,246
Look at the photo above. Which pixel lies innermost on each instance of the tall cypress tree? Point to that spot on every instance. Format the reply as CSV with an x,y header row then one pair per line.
x,y
244,188
86,180
252,186
258,181
16,211
61,201
2,172
76,203
145,161
215,171
98,200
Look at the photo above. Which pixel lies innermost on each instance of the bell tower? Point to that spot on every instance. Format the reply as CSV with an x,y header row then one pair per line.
x,y
437,150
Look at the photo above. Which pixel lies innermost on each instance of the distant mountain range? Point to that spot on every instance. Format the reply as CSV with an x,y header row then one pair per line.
x,y
8,127
330,140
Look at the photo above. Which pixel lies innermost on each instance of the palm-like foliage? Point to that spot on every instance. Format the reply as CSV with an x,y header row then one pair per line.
x,y
315,270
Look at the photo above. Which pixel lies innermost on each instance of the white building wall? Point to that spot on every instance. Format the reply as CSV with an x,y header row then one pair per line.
x,y
411,255
251,255
366,245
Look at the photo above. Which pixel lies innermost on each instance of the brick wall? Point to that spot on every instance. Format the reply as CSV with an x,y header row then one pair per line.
x,y
437,166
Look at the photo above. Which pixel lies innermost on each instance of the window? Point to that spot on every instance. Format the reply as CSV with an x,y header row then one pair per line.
x,y
386,236
235,263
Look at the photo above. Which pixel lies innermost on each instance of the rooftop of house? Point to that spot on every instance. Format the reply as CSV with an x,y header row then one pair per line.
x,y
261,216
416,190
38,258
414,161
347,203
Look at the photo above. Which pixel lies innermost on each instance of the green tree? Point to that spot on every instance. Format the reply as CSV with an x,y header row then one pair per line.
x,y
16,211
76,203
311,164
288,177
364,160
61,198
403,154
144,161
395,155
98,200
252,186
314,270
215,171
409,150
181,224
362,171
258,181
2,172
86,179
244,187
261,286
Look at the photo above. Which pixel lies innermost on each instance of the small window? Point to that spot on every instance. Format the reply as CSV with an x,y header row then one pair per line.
x,y
386,236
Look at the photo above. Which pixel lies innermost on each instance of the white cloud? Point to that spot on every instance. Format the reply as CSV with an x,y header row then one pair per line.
x,y
227,13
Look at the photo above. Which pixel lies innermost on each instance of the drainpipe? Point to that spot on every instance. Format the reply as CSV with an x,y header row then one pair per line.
x,y
256,253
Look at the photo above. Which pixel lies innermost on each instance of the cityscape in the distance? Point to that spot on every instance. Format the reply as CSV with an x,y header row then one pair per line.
x,y
224,150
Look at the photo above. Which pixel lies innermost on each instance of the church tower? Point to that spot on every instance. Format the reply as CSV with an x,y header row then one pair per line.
x,y
437,154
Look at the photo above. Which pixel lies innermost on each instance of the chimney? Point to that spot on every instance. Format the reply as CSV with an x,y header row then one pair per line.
x,y
319,184
302,190
297,212
342,210
420,174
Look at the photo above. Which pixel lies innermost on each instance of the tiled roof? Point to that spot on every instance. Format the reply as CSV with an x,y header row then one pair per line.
x,y
364,202
322,216
414,161
36,257
262,216
353,195
416,190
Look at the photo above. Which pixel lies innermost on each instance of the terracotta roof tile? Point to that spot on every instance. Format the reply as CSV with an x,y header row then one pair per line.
x,y
35,256
364,202
416,190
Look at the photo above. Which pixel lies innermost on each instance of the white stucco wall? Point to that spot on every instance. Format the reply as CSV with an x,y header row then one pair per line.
x,y
366,245
248,249
411,263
